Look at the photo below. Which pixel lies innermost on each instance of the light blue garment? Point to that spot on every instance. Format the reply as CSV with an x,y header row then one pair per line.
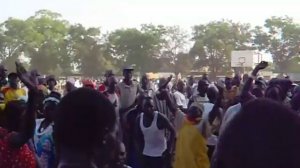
x,y
44,145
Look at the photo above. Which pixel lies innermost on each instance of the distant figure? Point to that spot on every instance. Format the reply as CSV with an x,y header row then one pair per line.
x,y
103,86
164,99
70,85
13,91
201,97
145,87
3,75
231,91
87,83
128,90
179,94
114,98
189,87
51,82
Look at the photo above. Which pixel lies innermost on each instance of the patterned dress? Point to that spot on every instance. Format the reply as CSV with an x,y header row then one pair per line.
x,y
44,145
22,157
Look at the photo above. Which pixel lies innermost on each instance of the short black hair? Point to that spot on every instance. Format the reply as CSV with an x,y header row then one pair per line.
x,y
147,100
263,134
12,75
212,93
83,118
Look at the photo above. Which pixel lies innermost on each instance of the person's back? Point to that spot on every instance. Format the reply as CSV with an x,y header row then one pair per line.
x,y
191,150
263,134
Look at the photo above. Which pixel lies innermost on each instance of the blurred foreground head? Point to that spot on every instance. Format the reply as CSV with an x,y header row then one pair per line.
x,y
84,117
264,134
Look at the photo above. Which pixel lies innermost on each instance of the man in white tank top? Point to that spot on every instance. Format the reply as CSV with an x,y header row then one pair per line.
x,y
150,136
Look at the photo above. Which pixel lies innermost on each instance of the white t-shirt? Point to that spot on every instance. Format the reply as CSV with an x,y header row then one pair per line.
x,y
181,99
229,115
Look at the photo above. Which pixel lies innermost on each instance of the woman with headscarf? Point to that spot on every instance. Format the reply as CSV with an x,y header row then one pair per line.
x,y
43,140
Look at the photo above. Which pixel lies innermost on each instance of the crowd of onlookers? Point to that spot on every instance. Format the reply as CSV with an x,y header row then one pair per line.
x,y
237,122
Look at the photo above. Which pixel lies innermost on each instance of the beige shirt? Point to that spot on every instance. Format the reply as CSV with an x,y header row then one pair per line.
x,y
128,94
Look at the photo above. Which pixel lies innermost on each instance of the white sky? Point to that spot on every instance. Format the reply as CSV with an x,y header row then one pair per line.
x,y
113,14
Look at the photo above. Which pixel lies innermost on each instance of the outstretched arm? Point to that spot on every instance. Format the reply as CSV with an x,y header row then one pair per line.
x,y
18,139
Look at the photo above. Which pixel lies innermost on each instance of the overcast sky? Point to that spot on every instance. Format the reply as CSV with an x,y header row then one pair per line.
x,y
112,14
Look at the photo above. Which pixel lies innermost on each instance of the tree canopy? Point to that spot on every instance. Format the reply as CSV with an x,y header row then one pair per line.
x,y
55,46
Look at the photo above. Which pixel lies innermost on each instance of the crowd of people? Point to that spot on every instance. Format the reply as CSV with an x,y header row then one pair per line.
x,y
239,122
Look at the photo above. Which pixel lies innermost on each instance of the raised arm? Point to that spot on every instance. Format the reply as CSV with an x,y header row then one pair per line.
x,y
245,94
18,139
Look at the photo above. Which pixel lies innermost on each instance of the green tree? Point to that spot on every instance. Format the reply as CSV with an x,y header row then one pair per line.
x,y
281,40
176,40
14,34
213,43
184,63
132,46
48,50
87,50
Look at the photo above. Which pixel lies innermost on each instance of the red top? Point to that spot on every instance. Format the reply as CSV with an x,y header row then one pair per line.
x,y
102,88
14,158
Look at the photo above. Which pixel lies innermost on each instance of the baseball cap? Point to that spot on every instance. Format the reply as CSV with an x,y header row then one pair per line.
x,y
129,68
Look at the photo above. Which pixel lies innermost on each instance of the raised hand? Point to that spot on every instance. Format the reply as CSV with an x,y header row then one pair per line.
x,y
260,66
169,78
166,83
27,78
